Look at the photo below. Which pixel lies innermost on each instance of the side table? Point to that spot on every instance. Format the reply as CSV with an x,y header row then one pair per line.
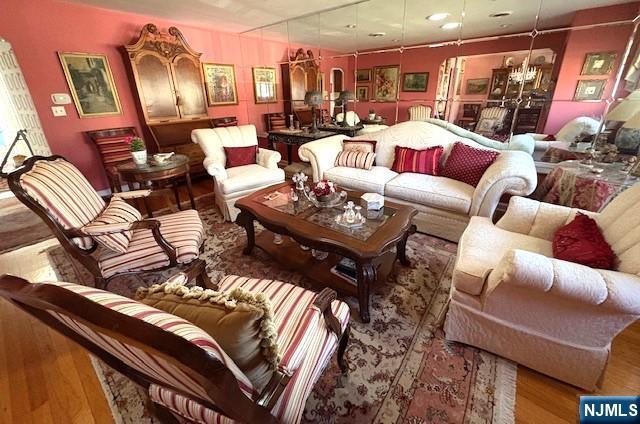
x,y
573,184
158,174
350,130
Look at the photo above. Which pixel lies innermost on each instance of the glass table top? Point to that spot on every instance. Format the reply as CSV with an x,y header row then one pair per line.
x,y
151,165
326,217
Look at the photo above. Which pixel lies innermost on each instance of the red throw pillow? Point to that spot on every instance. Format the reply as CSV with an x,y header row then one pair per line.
x,y
239,156
467,164
419,161
582,242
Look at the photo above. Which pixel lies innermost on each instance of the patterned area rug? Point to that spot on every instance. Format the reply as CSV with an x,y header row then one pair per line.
x,y
401,370
20,227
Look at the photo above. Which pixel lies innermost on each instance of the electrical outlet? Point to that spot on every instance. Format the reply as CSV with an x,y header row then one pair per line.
x,y
58,111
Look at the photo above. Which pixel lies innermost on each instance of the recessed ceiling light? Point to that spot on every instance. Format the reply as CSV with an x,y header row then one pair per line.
x,y
350,26
437,16
395,40
501,14
450,25
377,34
505,25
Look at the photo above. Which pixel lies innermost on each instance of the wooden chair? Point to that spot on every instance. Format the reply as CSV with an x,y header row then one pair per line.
x,y
113,151
275,121
184,370
57,192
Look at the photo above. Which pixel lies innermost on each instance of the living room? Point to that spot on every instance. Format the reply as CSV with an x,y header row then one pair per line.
x,y
364,211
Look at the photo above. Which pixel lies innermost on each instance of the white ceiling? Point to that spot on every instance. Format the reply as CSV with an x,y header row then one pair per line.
x,y
403,21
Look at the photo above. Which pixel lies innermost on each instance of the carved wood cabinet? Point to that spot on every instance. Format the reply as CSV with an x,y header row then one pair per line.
x,y
300,75
168,77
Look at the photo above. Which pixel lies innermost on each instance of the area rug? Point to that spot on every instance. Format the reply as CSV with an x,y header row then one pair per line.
x,y
401,369
20,226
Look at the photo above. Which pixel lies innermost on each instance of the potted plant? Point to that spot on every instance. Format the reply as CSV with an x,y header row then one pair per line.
x,y
138,150
372,114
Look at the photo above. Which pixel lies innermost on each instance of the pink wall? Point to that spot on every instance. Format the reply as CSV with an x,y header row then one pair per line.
x,y
38,32
579,43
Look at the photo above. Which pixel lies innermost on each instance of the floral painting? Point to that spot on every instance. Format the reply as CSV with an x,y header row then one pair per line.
x,y
385,84
220,81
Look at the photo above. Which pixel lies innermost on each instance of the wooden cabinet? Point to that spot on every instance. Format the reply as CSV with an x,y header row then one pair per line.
x,y
170,85
300,75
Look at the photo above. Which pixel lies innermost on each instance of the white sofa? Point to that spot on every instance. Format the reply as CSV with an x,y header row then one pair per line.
x,y
234,183
511,297
444,205
566,135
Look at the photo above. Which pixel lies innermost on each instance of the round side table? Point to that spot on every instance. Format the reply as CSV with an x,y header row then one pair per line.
x,y
159,174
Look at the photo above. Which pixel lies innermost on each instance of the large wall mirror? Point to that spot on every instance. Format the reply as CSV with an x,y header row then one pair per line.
x,y
552,69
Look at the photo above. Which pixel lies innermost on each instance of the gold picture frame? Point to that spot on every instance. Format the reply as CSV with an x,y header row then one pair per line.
x,y
220,81
91,83
362,93
265,87
363,75
598,63
386,81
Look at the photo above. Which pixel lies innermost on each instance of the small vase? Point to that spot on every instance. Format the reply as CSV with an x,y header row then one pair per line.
x,y
139,157
372,116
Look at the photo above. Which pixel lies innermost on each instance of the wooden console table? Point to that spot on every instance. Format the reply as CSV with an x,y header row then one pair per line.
x,y
294,138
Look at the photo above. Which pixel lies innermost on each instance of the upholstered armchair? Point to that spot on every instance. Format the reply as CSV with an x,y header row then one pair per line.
x,y
419,112
108,239
511,297
234,183
492,120
352,118
189,374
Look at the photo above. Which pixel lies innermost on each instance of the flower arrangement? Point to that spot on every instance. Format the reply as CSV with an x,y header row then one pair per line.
x,y
324,188
136,144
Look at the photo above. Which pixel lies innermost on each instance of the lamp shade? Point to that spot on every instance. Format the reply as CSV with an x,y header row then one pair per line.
x,y
633,122
626,109
313,98
346,96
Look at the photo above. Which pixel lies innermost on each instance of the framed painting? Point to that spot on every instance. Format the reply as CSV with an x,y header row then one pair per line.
x,y
477,86
220,80
589,90
385,83
363,75
600,63
415,81
264,85
362,93
91,84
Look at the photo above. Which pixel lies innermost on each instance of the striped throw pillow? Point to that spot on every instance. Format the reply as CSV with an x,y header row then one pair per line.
x,y
117,212
359,145
418,161
355,159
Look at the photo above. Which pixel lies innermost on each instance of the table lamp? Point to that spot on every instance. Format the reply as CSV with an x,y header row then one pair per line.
x,y
313,99
345,97
627,111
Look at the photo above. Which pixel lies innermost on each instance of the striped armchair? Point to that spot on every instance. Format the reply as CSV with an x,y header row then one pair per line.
x,y
185,371
419,112
113,150
492,121
57,192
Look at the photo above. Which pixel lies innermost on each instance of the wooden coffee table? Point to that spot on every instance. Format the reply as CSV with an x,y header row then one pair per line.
x,y
374,247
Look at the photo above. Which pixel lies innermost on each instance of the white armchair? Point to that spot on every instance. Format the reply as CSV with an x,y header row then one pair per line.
x,y
511,297
234,183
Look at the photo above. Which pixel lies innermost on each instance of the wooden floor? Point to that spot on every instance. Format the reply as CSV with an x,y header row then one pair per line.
x,y
44,378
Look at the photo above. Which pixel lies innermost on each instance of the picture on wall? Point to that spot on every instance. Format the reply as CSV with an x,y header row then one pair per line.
x,y
598,63
363,75
477,86
415,81
91,84
220,80
362,93
385,83
589,90
264,85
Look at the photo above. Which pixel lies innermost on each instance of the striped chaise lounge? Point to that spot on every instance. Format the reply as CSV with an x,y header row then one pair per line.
x,y
185,371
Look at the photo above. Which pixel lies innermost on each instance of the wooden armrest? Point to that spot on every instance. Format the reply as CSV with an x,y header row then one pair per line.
x,y
323,303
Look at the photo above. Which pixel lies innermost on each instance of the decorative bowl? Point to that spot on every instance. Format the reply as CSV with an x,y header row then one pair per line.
x,y
329,201
161,158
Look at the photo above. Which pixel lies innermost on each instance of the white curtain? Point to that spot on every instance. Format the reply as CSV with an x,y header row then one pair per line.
x,y
17,110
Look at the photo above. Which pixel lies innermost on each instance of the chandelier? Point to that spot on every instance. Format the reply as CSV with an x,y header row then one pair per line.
x,y
519,74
